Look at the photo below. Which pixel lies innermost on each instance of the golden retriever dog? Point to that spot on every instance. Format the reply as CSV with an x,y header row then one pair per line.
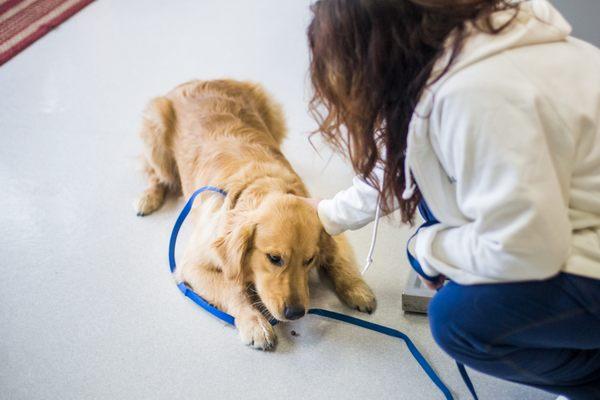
x,y
250,252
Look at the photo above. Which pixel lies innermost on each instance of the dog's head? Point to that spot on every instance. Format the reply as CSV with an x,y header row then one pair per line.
x,y
274,246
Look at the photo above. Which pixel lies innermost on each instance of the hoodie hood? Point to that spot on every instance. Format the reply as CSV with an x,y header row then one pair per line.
x,y
536,22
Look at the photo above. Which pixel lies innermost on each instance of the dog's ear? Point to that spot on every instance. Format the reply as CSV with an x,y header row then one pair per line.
x,y
233,245
327,249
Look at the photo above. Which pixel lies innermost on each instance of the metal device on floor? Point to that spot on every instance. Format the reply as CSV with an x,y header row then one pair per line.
x,y
416,296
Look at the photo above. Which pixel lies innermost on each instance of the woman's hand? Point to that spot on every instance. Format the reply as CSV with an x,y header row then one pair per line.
x,y
435,285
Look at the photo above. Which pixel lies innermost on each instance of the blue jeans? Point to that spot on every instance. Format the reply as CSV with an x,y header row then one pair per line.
x,y
543,334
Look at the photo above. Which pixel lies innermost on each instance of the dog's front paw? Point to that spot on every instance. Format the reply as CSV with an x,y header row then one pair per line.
x,y
256,331
147,203
359,297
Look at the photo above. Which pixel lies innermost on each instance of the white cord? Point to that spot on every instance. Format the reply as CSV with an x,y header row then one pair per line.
x,y
369,260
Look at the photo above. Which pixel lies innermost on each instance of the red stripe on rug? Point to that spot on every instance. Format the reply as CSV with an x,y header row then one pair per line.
x,y
27,17
34,15
9,4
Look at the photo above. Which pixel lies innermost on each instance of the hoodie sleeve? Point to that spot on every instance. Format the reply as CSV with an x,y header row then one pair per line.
x,y
351,208
508,187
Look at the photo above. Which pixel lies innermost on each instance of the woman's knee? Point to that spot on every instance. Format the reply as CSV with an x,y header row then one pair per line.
x,y
440,320
453,324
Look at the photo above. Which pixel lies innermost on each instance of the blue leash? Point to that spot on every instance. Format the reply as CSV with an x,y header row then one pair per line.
x,y
188,292
430,220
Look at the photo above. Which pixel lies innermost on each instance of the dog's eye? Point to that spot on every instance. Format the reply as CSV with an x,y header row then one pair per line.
x,y
309,261
275,260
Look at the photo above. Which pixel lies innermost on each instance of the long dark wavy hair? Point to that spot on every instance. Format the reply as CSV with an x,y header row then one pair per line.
x,y
370,62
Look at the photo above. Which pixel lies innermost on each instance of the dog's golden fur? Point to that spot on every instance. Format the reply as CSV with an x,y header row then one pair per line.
x,y
227,134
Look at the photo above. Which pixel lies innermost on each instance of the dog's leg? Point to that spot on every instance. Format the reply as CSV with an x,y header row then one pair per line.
x,y
339,265
197,269
254,329
153,197
160,166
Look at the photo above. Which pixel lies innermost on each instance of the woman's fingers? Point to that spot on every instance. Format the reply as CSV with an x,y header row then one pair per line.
x,y
429,284
434,285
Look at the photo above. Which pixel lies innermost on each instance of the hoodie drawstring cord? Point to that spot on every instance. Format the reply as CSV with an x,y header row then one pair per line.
x,y
409,184
369,260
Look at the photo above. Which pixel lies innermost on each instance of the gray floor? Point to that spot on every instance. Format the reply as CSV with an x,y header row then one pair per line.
x,y
88,309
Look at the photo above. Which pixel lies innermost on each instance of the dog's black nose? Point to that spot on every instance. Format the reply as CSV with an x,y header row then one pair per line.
x,y
293,312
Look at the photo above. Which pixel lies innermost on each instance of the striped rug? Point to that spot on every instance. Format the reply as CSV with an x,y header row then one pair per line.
x,y
22,22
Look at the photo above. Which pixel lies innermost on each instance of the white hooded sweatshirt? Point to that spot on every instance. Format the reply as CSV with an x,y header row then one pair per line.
x,y
505,149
